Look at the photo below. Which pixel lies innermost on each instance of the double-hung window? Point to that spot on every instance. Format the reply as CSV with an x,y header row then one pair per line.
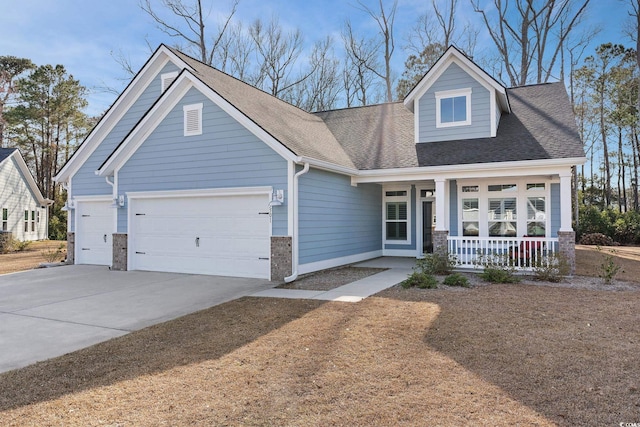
x,y
453,108
26,221
396,216
536,210
5,219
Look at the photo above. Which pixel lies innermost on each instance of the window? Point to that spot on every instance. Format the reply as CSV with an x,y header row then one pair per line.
x,y
5,219
33,220
396,216
503,217
536,216
470,224
166,79
26,221
453,108
192,119
470,188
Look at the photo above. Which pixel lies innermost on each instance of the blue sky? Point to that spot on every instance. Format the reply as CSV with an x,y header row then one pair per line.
x,y
82,34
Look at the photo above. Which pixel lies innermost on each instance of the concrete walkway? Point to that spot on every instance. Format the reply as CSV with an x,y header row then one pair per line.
x,y
398,270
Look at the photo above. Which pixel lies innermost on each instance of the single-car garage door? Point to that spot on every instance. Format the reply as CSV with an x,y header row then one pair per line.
x,y
218,235
94,228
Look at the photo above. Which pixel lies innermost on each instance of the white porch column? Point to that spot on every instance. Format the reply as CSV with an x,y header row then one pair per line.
x,y
565,201
441,204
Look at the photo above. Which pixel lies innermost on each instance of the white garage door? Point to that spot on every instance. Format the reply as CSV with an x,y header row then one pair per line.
x,y
94,228
218,235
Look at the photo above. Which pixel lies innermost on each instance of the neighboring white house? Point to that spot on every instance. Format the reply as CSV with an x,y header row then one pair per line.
x,y
23,209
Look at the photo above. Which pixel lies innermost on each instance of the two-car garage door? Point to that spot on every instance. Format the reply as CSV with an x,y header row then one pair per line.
x,y
221,235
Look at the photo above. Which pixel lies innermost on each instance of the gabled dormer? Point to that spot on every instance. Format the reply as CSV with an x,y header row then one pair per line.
x,y
456,100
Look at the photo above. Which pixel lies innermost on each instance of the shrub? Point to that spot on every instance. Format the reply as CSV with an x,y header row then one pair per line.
x,y
437,263
420,280
53,255
497,274
627,227
551,268
456,279
596,239
608,269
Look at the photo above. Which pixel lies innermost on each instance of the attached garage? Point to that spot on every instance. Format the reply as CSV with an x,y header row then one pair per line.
x,y
94,231
217,232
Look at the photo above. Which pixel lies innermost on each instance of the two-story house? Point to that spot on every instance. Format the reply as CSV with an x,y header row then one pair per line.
x,y
194,171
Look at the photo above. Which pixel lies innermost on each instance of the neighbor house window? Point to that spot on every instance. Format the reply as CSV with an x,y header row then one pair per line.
x,y
453,108
26,221
192,119
5,219
396,215
33,220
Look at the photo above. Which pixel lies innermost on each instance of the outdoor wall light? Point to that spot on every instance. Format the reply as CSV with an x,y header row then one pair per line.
x,y
118,202
277,198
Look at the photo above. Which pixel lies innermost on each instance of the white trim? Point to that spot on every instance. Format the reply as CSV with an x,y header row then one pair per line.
x,y
476,170
335,262
447,94
99,198
208,192
416,122
291,171
414,253
391,199
123,103
26,173
327,166
186,110
419,213
167,101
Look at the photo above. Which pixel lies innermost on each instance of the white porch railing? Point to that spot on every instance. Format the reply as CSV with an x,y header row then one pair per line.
x,y
522,253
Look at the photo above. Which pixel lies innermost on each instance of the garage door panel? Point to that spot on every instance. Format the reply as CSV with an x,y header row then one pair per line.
x,y
232,235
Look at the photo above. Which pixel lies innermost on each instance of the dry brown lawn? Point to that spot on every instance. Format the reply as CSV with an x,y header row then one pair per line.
x,y
489,355
589,259
31,257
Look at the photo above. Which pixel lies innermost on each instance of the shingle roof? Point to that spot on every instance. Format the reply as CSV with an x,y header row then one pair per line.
x,y
6,152
302,133
541,126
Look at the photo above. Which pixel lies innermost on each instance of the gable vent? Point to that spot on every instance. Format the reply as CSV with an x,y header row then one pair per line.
x,y
166,79
192,119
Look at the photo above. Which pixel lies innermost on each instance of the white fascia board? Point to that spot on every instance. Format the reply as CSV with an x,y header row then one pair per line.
x,y
478,170
452,55
185,81
118,109
29,178
206,192
327,166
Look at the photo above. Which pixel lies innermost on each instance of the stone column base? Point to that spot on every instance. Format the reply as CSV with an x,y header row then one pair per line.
x,y
440,244
71,246
281,265
119,262
567,247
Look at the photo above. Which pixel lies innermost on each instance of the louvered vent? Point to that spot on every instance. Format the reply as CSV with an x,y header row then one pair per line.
x,y
192,119
167,79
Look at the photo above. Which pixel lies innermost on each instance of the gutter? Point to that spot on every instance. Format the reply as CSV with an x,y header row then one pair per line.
x,y
294,239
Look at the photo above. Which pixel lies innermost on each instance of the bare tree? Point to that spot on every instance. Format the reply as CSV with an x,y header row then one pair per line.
x,y
320,91
192,14
361,60
530,34
235,52
385,20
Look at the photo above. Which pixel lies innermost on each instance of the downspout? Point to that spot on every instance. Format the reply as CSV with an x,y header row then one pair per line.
x,y
294,239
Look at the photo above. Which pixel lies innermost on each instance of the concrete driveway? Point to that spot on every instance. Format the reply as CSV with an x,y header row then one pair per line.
x,y
46,313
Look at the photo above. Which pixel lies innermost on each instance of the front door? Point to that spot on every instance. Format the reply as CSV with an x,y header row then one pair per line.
x,y
427,221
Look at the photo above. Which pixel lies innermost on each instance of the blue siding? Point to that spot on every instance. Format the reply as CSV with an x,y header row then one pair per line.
x,y
85,182
555,209
455,77
453,208
411,246
225,155
337,219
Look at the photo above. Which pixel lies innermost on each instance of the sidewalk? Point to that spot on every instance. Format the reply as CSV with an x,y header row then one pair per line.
x,y
398,270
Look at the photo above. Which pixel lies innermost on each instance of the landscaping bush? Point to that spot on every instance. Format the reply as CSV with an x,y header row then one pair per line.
x,y
627,228
551,268
436,263
420,280
596,239
456,279
496,274
608,269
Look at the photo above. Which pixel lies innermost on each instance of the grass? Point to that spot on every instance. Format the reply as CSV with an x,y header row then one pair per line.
x,y
492,355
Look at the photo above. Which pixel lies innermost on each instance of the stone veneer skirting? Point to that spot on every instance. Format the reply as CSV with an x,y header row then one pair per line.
x,y
119,261
280,257
440,244
567,247
71,245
